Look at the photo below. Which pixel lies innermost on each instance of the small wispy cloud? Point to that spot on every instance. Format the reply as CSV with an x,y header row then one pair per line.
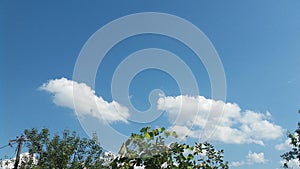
x,y
251,158
286,145
291,80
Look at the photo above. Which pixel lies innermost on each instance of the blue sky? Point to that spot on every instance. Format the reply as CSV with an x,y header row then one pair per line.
x,y
257,42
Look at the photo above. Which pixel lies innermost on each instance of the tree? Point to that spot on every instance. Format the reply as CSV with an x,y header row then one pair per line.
x,y
149,149
61,152
295,142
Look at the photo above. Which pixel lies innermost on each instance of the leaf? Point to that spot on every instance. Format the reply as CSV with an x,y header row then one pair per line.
x,y
174,134
147,136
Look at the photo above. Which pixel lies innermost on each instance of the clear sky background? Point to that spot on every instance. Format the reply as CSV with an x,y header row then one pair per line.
x,y
257,42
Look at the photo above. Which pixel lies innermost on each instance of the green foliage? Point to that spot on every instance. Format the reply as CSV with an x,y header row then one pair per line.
x,y
295,142
61,152
148,149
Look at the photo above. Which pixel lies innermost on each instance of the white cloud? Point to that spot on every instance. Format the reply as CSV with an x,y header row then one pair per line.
x,y
256,158
82,99
237,163
251,158
9,163
139,167
234,126
182,131
284,146
268,114
294,163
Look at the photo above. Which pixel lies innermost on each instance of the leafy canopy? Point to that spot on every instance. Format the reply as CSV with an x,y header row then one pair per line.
x,y
68,151
295,142
147,148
